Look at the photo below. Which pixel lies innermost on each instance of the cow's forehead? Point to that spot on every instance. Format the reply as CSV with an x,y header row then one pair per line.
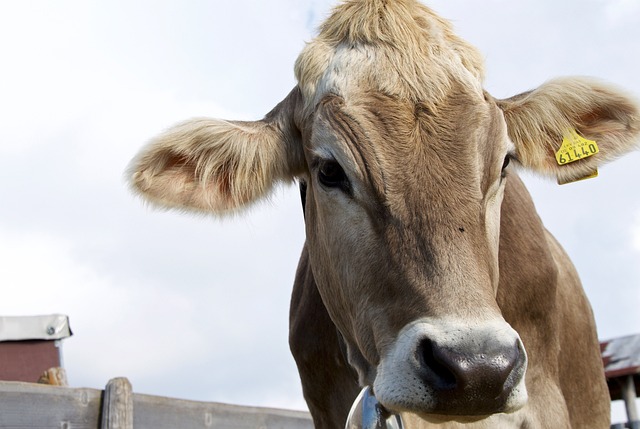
x,y
413,55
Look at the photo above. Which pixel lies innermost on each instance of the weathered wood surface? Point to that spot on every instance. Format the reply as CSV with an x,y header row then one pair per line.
x,y
117,405
161,413
36,406
31,406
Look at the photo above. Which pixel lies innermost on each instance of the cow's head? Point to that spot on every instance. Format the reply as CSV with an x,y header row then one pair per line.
x,y
404,158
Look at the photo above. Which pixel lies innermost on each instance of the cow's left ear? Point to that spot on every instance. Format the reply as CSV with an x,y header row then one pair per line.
x,y
574,112
218,166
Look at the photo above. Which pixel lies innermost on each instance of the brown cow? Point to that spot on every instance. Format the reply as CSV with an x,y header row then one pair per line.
x,y
426,273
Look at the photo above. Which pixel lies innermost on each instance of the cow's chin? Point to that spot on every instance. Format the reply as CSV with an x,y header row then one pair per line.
x,y
438,416
444,416
367,410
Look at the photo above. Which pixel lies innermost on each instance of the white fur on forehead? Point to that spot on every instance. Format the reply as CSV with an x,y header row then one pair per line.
x,y
399,47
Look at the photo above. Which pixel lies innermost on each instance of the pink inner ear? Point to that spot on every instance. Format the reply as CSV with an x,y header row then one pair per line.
x,y
597,127
205,183
607,119
223,177
176,162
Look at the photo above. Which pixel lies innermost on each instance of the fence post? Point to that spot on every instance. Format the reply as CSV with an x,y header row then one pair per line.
x,y
117,405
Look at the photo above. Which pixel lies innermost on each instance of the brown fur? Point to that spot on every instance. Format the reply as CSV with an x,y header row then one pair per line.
x,y
535,297
420,228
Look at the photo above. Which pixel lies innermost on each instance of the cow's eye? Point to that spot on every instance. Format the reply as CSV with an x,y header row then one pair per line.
x,y
505,164
332,175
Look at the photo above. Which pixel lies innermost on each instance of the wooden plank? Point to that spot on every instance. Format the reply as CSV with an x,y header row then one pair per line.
x,y
38,406
165,413
117,405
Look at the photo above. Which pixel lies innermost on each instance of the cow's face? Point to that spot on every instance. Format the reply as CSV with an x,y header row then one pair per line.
x,y
404,158
402,218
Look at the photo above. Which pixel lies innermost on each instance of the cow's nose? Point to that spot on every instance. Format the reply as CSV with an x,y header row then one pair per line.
x,y
477,373
443,368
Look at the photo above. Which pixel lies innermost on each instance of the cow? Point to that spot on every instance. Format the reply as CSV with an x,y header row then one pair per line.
x,y
426,273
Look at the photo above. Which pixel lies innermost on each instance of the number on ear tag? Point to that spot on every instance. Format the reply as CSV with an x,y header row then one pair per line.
x,y
575,147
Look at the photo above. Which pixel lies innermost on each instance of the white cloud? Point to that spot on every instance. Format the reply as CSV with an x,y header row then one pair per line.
x,y
621,12
41,275
635,231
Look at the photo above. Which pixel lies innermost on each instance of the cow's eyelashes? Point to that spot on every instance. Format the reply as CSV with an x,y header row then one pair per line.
x,y
332,175
507,160
505,164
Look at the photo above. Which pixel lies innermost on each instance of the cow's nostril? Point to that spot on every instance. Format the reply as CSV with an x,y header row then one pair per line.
x,y
436,370
463,371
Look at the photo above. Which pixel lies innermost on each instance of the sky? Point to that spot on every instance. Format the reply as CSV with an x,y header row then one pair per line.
x,y
195,307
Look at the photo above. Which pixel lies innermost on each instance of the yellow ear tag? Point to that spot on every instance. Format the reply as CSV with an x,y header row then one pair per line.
x,y
588,176
574,148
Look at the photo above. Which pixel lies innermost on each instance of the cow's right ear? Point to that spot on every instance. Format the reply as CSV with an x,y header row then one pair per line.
x,y
218,166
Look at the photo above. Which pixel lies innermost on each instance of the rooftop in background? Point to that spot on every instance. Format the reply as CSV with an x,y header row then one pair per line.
x,y
23,328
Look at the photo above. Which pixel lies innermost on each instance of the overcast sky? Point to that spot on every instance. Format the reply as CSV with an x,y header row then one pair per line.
x,y
197,308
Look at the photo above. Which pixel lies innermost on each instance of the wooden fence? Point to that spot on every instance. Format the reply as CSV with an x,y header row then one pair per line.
x,y
31,406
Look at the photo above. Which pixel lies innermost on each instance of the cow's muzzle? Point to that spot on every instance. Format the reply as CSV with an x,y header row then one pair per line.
x,y
453,369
